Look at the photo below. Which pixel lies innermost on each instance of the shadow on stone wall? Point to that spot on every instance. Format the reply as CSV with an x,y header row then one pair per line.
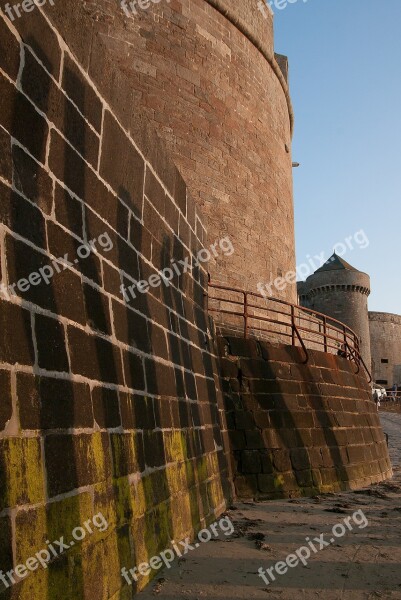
x,y
127,428
298,429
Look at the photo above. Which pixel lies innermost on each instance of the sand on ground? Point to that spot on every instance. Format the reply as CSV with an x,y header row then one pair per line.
x,y
364,563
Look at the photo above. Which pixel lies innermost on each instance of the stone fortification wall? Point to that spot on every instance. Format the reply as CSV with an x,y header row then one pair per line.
x,y
109,403
299,429
204,74
385,342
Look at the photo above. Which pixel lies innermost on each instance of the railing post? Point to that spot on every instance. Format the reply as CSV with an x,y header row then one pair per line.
x,y
293,324
358,349
325,334
345,341
245,315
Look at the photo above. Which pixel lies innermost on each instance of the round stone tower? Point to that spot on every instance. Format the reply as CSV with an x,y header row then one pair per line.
x,y
204,74
340,291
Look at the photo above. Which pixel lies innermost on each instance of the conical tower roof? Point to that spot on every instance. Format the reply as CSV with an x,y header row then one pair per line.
x,y
336,263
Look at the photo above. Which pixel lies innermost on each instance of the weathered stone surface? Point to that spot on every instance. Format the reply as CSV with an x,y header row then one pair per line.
x,y
116,394
6,401
16,345
51,344
49,403
298,443
385,342
18,117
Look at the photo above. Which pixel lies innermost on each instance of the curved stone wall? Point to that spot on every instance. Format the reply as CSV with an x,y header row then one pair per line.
x,y
204,74
299,429
108,399
342,295
385,342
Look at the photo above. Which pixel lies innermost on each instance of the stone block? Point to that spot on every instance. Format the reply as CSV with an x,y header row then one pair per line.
x,y
97,309
6,546
37,34
21,217
281,460
133,371
94,357
106,409
329,476
356,454
237,439
254,440
286,402
81,93
68,211
47,403
246,487
6,408
262,419
51,344
155,192
261,369
22,480
131,328
74,461
9,51
271,484
6,165
282,354
263,386
160,378
60,244
126,176
244,420
32,180
241,347
16,344
302,420
154,448
266,458
229,368
304,478
48,98
30,128
300,459
272,439
250,462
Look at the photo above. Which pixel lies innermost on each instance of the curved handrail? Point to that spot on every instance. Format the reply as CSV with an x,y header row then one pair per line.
x,y
288,321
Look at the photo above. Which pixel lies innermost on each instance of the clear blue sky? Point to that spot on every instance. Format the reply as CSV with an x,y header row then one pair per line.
x,y
345,78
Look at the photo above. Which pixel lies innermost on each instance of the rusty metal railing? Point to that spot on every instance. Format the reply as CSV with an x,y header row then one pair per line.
x,y
392,396
250,314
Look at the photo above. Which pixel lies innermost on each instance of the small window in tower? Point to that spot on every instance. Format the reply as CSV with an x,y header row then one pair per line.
x,y
384,361
382,381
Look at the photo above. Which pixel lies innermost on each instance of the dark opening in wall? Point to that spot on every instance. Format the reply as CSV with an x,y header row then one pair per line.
x,y
382,381
384,361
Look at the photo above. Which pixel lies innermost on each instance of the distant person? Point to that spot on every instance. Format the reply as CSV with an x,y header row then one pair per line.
x,y
376,398
394,392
